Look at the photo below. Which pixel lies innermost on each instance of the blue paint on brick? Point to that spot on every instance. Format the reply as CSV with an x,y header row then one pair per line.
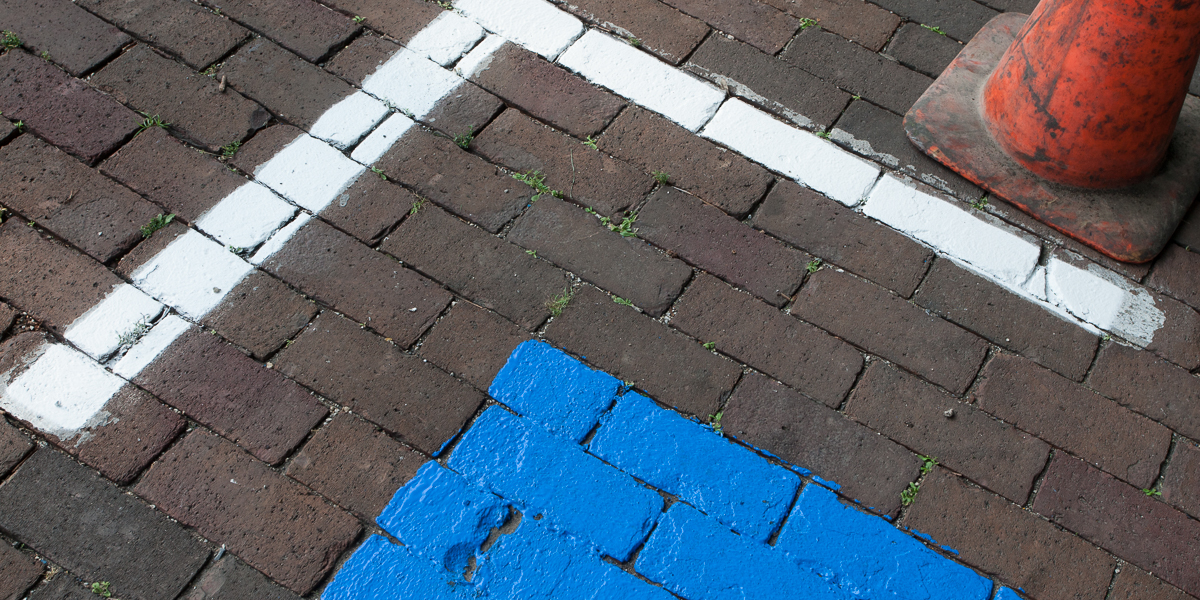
x,y
869,558
552,388
700,559
1007,594
380,569
827,483
464,515
729,482
542,474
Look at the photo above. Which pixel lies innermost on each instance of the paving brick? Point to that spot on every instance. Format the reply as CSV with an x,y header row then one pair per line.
x,y
8,130
135,430
1110,302
626,266
1188,234
18,572
1007,320
271,522
365,285
710,172
997,536
78,520
62,587
766,81
591,178
362,57
760,25
62,110
68,35
295,91
14,445
232,579
855,20
1179,338
197,36
673,369
541,27
836,234
489,271
886,325
150,247
960,19
472,343
1074,418
369,208
1021,6
923,50
354,464
1121,519
381,569
192,103
302,26
1177,273
856,69
1181,480
400,19
362,371
8,315
1132,583
868,467
661,29
260,313
989,452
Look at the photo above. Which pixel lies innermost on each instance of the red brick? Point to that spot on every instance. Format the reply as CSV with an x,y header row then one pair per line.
x,y
365,285
796,353
260,313
302,26
400,392
1177,273
668,366
661,29
991,453
62,110
716,175
626,266
14,445
760,25
960,19
197,36
997,536
855,20
136,429
354,464
192,103
1181,480
705,237
472,343
97,531
70,36
232,579
870,468
580,173
400,19
264,518
1074,418
923,50
837,234
222,388
1149,385
1121,519
18,572
1133,583
296,91
872,318
369,208
856,69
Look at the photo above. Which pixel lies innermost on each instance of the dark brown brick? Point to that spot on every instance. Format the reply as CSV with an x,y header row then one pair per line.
x,y
464,110
837,234
710,172
1181,480
856,69
8,314
960,19
8,130
232,579
997,536
472,343
260,313
61,109
192,103
222,388
400,392
855,20
1074,418
62,586
264,146
1177,273
989,452
302,26
400,19
923,50
72,516
70,36
547,91
580,173
365,285
354,464
264,518
1133,583
136,429
296,91
884,324
14,445
1178,340
773,84
1188,234
369,208
760,25
870,468
361,58
143,252
18,572
1121,519
1021,6
705,237
617,339
796,353
197,36
661,29
1007,320
626,266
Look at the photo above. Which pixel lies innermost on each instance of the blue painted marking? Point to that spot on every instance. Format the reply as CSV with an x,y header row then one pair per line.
x,y
380,569
541,474
866,557
1007,594
552,388
464,515
827,483
729,482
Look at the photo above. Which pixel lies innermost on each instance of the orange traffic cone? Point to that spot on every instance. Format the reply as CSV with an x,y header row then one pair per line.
x,y
1081,118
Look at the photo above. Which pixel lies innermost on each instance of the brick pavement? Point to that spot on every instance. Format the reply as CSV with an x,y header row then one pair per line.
x,y
240,348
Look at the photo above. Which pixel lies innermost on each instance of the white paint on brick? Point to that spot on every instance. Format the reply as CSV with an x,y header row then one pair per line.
x,y
309,172
192,274
643,79
446,38
741,90
1005,255
346,122
1035,286
150,346
798,154
280,238
480,58
60,392
123,312
380,141
1105,300
534,24
409,81
246,217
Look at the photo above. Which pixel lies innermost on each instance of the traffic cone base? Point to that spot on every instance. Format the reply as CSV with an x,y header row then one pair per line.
x,y
1130,224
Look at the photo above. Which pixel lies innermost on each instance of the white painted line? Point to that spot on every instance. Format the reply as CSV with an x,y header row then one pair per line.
x,y
309,172
150,346
480,58
647,81
446,38
275,244
246,217
121,316
60,392
346,122
409,81
1105,300
192,274
381,140
534,24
